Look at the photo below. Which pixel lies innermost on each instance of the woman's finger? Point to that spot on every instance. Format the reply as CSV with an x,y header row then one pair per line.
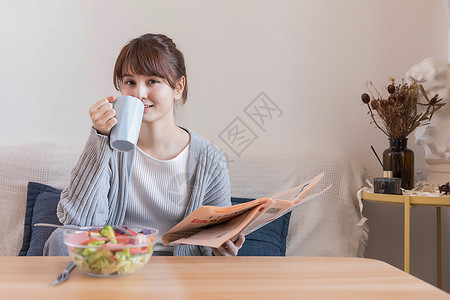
x,y
231,248
240,241
110,123
221,251
100,112
109,114
97,105
111,99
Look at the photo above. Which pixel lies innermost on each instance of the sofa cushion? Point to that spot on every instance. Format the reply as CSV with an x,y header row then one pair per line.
x,y
269,240
42,201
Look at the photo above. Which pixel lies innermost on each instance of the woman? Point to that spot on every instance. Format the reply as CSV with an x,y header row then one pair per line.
x,y
133,188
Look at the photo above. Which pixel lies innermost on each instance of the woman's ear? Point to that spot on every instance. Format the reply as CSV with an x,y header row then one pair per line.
x,y
179,88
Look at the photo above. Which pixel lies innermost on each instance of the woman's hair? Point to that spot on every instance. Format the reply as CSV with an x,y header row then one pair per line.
x,y
153,55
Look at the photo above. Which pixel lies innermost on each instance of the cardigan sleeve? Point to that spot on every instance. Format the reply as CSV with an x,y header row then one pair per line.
x,y
218,189
85,201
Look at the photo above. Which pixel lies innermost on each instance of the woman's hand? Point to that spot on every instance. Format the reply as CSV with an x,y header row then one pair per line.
x,y
102,115
230,248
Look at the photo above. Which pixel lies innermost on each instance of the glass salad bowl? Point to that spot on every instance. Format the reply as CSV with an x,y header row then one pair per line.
x,y
112,250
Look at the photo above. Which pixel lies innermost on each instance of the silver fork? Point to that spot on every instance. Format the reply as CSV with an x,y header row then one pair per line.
x,y
60,226
78,227
64,274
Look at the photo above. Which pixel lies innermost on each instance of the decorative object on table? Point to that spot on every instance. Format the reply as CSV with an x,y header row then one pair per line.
x,y
386,184
397,114
401,161
445,188
434,75
426,189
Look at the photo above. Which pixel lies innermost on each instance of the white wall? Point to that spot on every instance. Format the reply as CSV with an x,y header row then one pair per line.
x,y
311,57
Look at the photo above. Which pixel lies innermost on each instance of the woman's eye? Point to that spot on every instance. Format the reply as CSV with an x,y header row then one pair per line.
x,y
129,82
152,81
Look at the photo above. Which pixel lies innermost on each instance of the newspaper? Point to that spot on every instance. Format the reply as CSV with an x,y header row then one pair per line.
x,y
211,226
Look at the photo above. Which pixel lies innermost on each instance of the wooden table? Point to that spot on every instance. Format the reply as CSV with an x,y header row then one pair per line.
x,y
409,202
218,278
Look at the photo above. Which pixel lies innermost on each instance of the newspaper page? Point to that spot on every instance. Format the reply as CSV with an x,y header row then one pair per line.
x,y
211,216
277,210
212,226
218,234
283,203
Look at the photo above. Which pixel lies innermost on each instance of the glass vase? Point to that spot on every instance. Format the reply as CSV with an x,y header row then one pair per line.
x,y
400,160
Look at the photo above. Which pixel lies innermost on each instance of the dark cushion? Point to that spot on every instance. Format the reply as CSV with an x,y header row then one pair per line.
x,y
42,201
269,240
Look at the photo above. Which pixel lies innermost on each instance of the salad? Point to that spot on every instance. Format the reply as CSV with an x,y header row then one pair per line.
x,y
110,252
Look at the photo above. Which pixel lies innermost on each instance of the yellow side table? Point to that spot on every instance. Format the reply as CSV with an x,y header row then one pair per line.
x,y
410,201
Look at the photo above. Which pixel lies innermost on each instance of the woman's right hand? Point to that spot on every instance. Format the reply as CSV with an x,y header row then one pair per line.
x,y
102,115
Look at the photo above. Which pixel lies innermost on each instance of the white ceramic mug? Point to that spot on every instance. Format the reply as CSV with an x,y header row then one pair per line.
x,y
129,113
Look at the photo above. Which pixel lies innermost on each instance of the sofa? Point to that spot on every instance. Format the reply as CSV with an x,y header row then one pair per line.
x,y
32,176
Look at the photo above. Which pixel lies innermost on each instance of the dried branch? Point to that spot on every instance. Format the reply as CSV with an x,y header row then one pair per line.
x,y
398,111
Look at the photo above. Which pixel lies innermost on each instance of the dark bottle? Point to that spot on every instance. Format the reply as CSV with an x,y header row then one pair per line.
x,y
400,160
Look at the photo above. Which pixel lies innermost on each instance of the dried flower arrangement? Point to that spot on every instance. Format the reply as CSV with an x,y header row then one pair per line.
x,y
399,111
445,188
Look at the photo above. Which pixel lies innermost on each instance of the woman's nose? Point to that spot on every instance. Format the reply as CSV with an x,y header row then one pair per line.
x,y
141,91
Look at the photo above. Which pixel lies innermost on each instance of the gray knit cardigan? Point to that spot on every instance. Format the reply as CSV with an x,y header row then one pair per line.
x,y
97,194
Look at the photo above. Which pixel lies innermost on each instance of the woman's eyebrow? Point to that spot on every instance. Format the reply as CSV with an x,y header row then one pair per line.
x,y
131,75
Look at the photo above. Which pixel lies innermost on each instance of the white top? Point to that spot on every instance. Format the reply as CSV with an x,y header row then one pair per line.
x,y
158,193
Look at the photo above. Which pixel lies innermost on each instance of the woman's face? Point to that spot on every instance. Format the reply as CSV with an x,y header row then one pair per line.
x,y
157,96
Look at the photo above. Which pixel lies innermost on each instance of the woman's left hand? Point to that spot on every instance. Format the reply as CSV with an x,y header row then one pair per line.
x,y
230,248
